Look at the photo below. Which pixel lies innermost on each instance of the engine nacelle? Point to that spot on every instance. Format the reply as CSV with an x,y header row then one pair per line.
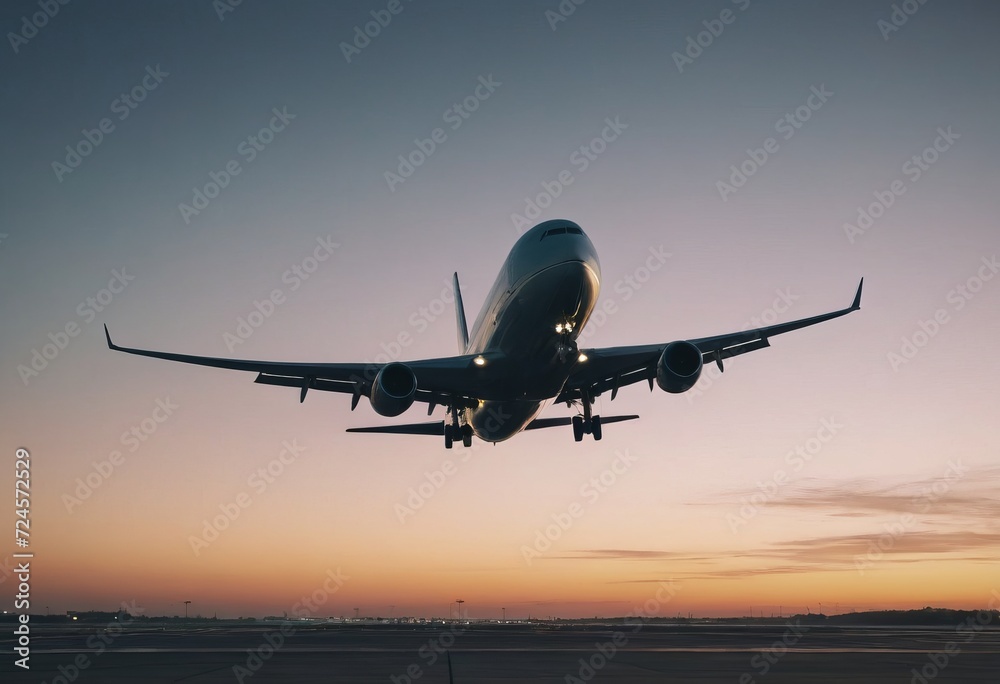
x,y
393,391
678,368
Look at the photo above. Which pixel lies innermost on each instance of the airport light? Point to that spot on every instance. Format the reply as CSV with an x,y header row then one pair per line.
x,y
582,357
479,360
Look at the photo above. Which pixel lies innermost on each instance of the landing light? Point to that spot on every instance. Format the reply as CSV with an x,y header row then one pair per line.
x,y
582,357
479,361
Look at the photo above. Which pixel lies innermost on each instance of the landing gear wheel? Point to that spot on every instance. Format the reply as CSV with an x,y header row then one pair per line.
x,y
467,436
577,428
595,428
448,438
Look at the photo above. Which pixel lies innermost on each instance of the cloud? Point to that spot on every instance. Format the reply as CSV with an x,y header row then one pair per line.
x,y
951,517
623,554
970,494
817,554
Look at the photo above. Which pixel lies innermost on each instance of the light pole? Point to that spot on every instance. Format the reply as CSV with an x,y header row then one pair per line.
x,y
459,602
186,603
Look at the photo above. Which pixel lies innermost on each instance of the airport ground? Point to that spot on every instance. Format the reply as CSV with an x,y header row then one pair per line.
x,y
774,654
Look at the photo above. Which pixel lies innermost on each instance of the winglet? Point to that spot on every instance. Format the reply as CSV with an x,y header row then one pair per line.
x,y
857,297
108,335
463,328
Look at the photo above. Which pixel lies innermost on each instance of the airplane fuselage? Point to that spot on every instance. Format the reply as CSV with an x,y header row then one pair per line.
x,y
540,302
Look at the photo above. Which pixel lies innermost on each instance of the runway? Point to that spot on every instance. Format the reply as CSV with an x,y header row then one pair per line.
x,y
786,653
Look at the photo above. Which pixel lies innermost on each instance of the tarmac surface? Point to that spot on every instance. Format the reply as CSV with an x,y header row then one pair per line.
x,y
774,654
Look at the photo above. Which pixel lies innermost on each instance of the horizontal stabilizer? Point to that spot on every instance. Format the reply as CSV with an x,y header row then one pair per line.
x,y
435,428
539,423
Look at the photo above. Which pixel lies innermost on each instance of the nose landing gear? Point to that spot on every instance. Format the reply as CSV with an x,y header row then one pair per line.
x,y
566,348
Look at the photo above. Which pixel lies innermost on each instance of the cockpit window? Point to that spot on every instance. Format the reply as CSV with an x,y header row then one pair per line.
x,y
561,231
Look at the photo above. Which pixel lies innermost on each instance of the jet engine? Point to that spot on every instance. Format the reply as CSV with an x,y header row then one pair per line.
x,y
678,368
393,391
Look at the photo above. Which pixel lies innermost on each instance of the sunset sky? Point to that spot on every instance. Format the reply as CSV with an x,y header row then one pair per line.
x,y
778,152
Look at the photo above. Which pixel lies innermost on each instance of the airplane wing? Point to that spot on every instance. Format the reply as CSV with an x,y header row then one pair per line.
x,y
611,368
444,381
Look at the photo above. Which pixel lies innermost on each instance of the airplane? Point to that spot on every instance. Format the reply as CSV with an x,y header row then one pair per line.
x,y
520,356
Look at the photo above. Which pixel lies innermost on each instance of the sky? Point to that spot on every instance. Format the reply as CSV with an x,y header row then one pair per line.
x,y
298,181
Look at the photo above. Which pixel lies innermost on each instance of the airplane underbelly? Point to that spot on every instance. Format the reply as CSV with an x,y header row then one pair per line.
x,y
495,421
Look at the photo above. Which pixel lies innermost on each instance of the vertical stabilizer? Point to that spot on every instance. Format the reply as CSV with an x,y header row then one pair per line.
x,y
463,328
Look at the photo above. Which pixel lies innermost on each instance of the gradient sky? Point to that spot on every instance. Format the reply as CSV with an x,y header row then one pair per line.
x,y
898,508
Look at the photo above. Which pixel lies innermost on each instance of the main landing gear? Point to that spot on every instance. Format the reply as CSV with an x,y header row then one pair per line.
x,y
587,423
455,431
